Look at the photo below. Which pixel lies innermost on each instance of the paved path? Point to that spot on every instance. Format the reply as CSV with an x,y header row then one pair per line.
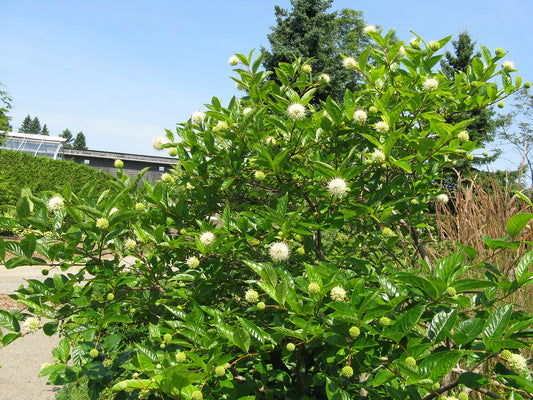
x,y
22,360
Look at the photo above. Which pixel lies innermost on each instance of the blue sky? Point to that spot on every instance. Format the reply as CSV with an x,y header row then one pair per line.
x,y
122,71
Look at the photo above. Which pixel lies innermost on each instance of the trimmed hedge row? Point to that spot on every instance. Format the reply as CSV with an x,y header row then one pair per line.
x,y
20,170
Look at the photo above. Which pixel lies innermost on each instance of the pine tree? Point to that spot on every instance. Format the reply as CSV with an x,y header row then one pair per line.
x,y
308,31
44,131
26,125
67,135
35,126
79,142
483,128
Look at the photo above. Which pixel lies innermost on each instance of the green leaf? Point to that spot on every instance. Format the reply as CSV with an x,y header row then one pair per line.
x,y
256,332
28,245
241,339
334,392
8,321
517,222
50,328
282,204
472,380
10,337
152,355
62,351
497,322
405,323
23,207
522,268
383,376
495,244
441,325
468,330
437,365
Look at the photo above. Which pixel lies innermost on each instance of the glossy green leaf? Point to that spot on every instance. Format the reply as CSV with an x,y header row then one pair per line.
x,y
517,222
497,322
241,339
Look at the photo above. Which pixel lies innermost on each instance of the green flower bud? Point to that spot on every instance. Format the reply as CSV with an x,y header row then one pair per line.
x,y
385,321
93,353
119,164
290,347
181,357
261,306
300,251
470,157
135,375
372,109
436,386
44,272
307,68
451,291
167,337
172,152
197,395
410,361
299,238
462,396
501,104
123,385
434,45
506,354
499,51
139,206
347,371
313,288
259,175
110,297
354,332
162,346
527,85
220,371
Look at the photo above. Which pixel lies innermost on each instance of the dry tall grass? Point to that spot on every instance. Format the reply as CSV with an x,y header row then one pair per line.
x,y
481,206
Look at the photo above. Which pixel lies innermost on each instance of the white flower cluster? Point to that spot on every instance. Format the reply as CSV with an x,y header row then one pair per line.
x,y
279,252
31,324
377,157
430,85
129,244
401,52
55,204
233,60
350,64
251,296
337,294
207,238
360,117
369,29
158,142
517,362
508,66
381,127
463,136
443,198
296,111
197,117
193,262
324,78
337,188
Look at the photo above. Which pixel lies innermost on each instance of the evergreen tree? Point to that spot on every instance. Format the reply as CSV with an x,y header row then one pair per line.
x,y
44,131
79,142
35,126
5,105
67,135
26,125
308,31
483,128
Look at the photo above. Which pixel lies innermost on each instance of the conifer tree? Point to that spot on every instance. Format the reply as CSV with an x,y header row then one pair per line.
x,y
26,125
311,32
67,134
80,142
45,131
35,126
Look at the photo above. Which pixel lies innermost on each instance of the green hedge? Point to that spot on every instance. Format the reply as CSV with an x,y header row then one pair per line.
x,y
20,170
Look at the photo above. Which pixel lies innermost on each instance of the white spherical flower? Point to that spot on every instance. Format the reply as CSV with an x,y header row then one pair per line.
x,y
463,136
167,178
434,45
207,238
197,117
279,252
350,64
269,140
324,78
55,204
337,294
129,244
31,324
508,66
102,223
221,126
415,42
296,111
158,142
382,127
233,60
377,156
247,110
118,164
251,296
517,362
430,85
193,262
307,68
443,198
338,188
401,52
369,29
360,116
313,288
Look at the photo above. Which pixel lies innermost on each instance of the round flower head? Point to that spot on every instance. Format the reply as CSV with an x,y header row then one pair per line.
x,y
324,78
192,262
290,347
296,111
347,371
434,45
221,126
139,206
388,232
197,395
307,68
251,296
158,142
31,324
129,244
369,29
462,396
415,42
220,371
443,198
313,288
55,204
349,63
377,157
239,86
233,60
337,294
517,362
247,110
463,136
401,52
382,127
385,321
172,152
207,238
337,188
354,332
430,85
259,175
167,178
181,357
119,164
508,66
410,361
197,117
102,223
279,252
360,117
